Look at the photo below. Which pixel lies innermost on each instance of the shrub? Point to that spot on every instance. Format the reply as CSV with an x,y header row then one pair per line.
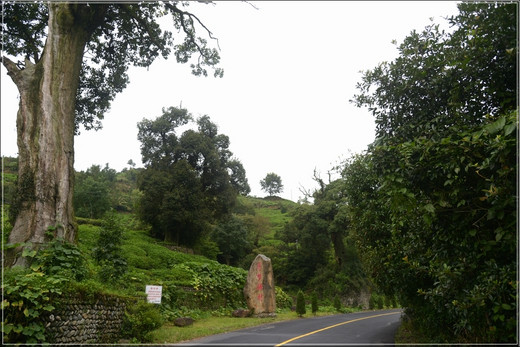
x,y
376,301
300,304
140,320
337,303
107,252
314,303
28,293
283,300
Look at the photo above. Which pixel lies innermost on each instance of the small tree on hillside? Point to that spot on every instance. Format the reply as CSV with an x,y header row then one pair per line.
x,y
314,303
300,304
272,184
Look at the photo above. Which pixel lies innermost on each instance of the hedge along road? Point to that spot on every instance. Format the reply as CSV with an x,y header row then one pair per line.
x,y
368,327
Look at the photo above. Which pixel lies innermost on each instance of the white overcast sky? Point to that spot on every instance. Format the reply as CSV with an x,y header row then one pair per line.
x,y
290,70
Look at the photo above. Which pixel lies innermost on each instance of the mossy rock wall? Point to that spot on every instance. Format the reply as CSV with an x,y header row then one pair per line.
x,y
80,321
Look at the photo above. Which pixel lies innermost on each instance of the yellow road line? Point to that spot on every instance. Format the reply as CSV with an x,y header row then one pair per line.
x,y
335,325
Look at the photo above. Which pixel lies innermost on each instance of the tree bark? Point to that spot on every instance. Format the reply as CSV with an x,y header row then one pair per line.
x,y
45,135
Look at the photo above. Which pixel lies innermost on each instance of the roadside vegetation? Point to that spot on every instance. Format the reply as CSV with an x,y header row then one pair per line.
x,y
424,219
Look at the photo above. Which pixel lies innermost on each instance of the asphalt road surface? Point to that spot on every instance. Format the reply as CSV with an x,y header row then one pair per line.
x,y
360,328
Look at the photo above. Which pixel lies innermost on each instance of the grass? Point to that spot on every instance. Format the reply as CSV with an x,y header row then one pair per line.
x,y
274,209
406,334
169,333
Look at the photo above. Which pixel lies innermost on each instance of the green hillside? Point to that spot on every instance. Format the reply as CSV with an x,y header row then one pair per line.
x,y
117,254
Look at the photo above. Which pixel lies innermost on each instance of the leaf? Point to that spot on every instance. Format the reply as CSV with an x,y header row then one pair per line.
x,y
509,128
506,306
27,252
430,208
495,126
7,328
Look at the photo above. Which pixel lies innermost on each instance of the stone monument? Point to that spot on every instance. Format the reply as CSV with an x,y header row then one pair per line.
x,y
259,289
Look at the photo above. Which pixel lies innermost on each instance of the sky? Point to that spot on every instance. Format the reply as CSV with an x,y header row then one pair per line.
x,y
290,69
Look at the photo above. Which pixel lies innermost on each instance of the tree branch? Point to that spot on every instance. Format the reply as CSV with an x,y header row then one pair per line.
x,y
12,70
143,24
182,13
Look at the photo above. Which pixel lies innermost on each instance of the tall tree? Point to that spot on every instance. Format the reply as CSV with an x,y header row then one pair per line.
x,y
75,58
433,201
186,183
272,184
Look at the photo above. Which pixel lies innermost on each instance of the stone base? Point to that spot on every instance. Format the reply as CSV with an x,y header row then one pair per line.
x,y
183,321
265,315
241,313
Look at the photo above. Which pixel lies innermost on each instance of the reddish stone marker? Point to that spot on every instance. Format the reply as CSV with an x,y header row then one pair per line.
x,y
259,289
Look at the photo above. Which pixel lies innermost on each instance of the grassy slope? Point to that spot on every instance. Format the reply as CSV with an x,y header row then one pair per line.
x,y
150,262
276,210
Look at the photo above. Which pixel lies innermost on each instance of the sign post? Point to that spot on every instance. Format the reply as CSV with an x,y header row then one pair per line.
x,y
153,294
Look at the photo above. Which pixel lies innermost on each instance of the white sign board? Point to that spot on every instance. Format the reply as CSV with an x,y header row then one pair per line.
x,y
153,294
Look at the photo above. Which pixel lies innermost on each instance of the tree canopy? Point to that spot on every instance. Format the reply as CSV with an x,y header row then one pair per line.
x,y
272,184
433,200
119,35
190,179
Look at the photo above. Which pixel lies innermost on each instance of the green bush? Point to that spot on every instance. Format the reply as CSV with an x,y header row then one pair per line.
x,y
337,303
283,300
300,304
314,303
140,320
376,301
107,252
27,296
28,293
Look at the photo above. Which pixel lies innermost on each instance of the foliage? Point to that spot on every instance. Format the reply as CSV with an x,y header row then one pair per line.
x,y
272,184
107,252
187,182
337,303
119,35
314,302
98,190
432,202
61,258
376,301
231,238
217,285
443,80
283,300
28,294
9,178
91,192
140,320
300,304
27,297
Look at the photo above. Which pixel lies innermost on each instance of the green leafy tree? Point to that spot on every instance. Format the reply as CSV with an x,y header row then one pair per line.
x,y
272,184
231,238
91,194
71,61
307,245
432,202
300,304
186,183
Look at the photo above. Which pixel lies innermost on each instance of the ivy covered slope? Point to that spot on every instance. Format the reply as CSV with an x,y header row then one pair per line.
x,y
189,281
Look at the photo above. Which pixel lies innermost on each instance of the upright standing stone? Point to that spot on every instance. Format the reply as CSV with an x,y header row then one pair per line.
x,y
259,290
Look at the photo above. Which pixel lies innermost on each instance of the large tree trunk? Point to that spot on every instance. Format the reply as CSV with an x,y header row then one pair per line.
x,y
45,126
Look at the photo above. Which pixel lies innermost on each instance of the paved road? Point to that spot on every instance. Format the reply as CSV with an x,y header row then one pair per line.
x,y
369,327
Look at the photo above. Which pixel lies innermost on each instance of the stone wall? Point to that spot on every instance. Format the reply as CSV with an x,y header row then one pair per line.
x,y
78,321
